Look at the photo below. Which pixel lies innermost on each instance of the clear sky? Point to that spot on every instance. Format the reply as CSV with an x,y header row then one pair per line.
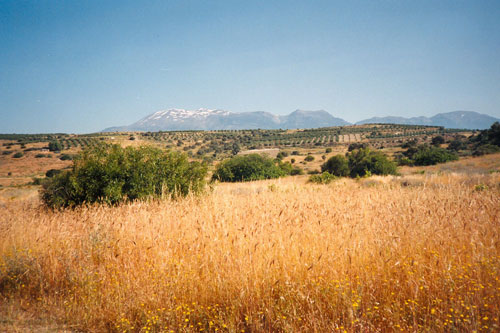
x,y
81,66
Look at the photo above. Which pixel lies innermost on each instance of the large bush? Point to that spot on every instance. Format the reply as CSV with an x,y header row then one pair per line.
x,y
336,165
249,167
359,163
433,155
365,161
426,155
112,174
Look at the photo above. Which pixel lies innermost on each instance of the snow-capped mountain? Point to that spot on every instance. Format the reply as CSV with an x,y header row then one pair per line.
x,y
214,119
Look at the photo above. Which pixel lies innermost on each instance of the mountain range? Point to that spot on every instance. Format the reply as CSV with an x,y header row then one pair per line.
x,y
216,119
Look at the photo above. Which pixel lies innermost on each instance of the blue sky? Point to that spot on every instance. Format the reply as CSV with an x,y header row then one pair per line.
x,y
81,66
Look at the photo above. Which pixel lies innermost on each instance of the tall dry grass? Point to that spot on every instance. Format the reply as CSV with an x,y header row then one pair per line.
x,y
382,254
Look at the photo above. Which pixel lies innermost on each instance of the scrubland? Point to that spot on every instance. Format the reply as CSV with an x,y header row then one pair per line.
x,y
413,253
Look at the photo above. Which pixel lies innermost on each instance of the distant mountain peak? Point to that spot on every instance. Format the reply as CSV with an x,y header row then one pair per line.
x,y
213,119
453,119
217,119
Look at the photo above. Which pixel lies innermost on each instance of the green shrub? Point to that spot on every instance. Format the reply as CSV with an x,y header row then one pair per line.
x,y
52,172
489,136
323,178
437,141
296,171
7,152
247,168
282,154
111,174
357,145
432,155
457,145
66,157
40,155
309,158
485,149
366,161
19,154
336,165
328,150
55,146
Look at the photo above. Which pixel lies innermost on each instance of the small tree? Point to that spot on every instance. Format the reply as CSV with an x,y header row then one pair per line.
x,y
365,161
336,165
55,146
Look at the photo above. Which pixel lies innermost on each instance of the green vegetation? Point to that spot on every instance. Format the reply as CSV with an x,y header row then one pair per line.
x,y
322,178
426,155
112,174
250,167
487,141
336,165
365,162
66,157
359,163
55,146
19,154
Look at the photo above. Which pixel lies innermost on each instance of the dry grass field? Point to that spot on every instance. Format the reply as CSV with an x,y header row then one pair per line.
x,y
413,253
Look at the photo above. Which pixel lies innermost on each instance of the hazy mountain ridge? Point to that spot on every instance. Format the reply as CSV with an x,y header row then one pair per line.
x,y
216,119
454,119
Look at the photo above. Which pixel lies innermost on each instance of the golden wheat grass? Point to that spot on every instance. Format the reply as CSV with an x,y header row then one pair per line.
x,y
382,254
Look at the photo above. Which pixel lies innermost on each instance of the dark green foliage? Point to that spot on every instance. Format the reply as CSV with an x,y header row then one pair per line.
x,y
19,154
364,161
52,172
247,168
336,165
235,149
111,174
328,150
309,158
437,140
490,136
296,171
410,143
55,146
357,145
37,181
323,178
282,154
427,155
40,155
7,152
457,145
485,149
487,141
66,157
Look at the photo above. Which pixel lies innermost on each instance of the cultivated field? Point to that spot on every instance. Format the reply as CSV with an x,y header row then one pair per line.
x,y
414,253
